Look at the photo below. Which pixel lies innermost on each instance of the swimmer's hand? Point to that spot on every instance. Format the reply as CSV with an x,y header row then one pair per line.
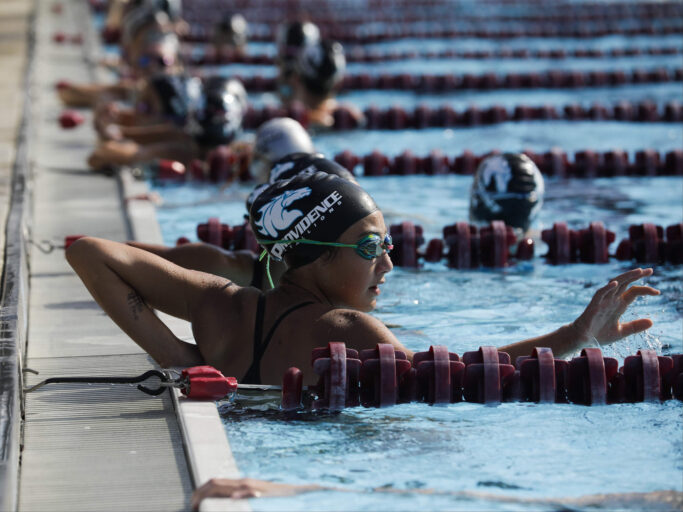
x,y
244,488
600,320
114,153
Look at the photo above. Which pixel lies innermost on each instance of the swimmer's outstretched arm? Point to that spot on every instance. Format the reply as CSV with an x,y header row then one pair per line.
x,y
599,321
115,153
238,266
243,488
87,95
128,283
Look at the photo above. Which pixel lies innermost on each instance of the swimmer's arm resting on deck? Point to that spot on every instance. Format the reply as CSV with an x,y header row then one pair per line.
x,y
599,321
238,266
128,283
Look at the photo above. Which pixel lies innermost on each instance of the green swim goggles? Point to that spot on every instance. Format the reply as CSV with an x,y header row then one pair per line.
x,y
369,247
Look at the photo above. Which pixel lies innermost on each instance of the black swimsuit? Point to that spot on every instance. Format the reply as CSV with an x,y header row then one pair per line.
x,y
253,375
257,275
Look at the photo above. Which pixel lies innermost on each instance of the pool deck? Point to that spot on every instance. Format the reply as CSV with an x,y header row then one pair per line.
x,y
80,446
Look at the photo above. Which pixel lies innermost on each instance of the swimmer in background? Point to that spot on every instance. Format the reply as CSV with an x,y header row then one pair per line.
x,y
149,46
243,267
507,187
161,109
215,120
334,242
230,37
246,488
311,70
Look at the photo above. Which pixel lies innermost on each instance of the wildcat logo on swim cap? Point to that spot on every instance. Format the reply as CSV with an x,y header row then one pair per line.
x,y
275,217
278,169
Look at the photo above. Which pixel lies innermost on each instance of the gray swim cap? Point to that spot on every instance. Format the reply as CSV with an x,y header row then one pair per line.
x,y
275,139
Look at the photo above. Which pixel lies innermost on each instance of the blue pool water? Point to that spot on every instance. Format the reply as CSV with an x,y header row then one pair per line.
x,y
514,450
476,457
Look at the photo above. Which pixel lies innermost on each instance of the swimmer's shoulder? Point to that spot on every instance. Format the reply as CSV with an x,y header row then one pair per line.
x,y
357,329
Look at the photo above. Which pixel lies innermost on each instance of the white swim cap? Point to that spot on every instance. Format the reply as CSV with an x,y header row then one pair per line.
x,y
275,139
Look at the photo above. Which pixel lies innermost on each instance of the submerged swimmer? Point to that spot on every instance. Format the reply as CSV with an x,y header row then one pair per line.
x,y
334,242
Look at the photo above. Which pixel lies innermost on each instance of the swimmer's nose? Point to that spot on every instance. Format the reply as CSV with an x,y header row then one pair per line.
x,y
384,263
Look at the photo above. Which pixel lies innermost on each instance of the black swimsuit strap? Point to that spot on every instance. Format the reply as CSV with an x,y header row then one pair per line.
x,y
253,375
257,276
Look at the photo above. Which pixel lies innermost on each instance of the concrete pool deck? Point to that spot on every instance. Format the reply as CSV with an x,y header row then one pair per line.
x,y
79,447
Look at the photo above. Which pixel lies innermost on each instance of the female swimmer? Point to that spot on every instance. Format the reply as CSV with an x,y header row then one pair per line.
x,y
334,241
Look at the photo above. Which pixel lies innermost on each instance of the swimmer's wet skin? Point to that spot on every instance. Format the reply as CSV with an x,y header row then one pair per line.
x,y
245,488
336,286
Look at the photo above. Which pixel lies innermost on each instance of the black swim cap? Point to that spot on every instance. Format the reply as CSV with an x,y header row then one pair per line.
x,y
233,28
292,37
507,187
316,206
219,118
297,163
176,94
321,66
172,8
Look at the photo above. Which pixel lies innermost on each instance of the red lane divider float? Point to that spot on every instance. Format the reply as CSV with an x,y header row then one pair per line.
x,y
361,54
646,244
422,116
70,119
466,246
207,383
199,32
383,376
223,165
586,163
323,14
339,370
235,238
554,79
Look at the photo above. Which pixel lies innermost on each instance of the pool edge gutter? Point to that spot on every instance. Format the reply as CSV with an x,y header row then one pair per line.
x,y
206,444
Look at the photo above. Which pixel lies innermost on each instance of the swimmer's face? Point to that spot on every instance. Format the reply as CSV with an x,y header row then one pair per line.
x,y
351,280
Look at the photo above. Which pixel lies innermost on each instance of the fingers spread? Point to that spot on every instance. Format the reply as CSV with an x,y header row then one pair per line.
x,y
636,291
629,328
605,291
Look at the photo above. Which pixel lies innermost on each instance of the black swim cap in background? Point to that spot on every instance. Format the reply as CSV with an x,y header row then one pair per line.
x,y
316,206
321,66
296,163
292,37
177,94
232,29
172,8
218,120
507,187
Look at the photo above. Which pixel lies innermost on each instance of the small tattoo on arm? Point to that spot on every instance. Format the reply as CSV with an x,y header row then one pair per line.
x,y
135,303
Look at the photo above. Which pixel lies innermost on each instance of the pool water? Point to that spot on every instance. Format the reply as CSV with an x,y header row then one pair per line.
x,y
469,456
515,450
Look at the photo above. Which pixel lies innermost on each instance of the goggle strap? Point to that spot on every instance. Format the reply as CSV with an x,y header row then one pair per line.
x,y
264,254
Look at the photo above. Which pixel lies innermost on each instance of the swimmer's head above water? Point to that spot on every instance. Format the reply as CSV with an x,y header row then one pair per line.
x,y
276,139
218,118
295,163
320,67
507,187
300,218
